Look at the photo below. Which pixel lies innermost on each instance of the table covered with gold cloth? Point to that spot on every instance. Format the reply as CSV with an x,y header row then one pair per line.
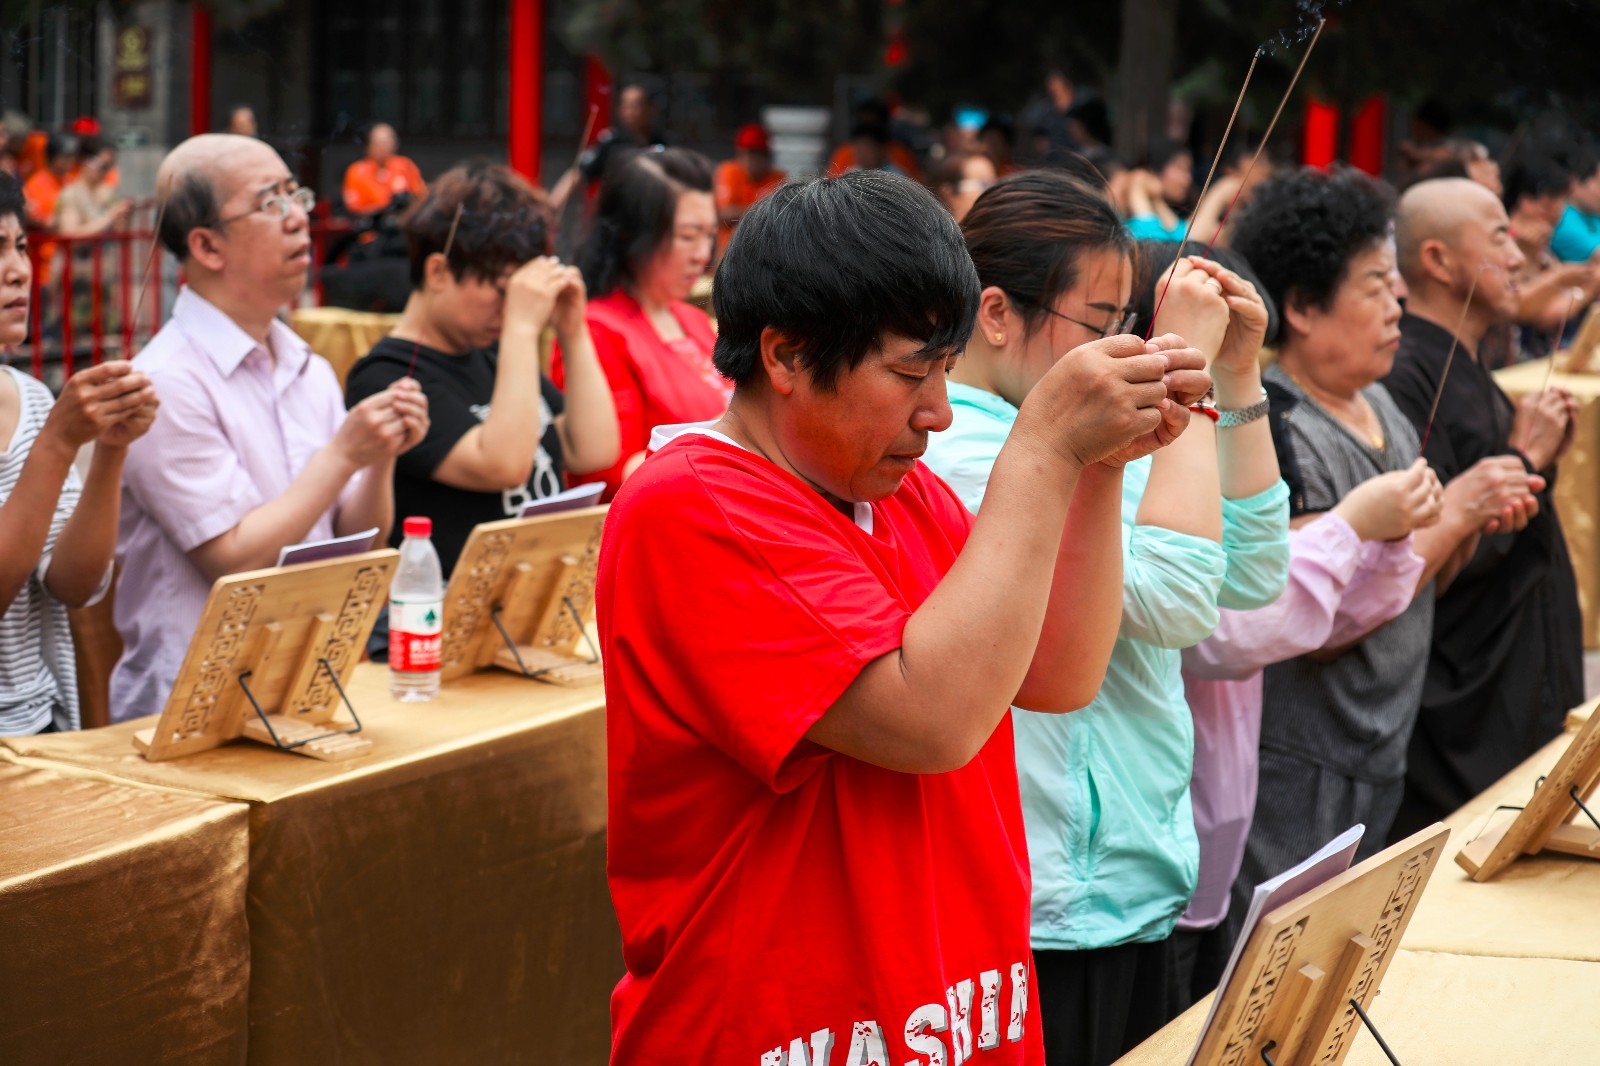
x,y
1577,494
1499,972
122,923
441,899
1449,1010
340,335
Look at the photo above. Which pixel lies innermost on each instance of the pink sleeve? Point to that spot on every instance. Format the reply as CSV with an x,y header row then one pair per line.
x,y
1323,558
1384,585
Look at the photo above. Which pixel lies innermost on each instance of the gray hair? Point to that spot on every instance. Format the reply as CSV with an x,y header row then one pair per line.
x,y
191,204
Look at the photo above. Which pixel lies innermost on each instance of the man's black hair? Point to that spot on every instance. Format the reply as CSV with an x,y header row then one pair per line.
x,y
1301,228
838,264
11,199
1533,176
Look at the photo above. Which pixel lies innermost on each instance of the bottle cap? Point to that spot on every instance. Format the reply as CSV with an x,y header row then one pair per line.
x,y
418,527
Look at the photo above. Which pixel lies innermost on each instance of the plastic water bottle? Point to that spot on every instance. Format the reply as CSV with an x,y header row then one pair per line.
x,y
416,616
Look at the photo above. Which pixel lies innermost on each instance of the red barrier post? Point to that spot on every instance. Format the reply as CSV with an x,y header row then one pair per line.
x,y
66,308
126,285
36,305
96,313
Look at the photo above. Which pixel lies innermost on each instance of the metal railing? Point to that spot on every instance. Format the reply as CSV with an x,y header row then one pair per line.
x,y
85,291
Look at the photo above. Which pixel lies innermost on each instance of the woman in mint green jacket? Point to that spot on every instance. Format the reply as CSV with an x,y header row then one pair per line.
x,y
1105,790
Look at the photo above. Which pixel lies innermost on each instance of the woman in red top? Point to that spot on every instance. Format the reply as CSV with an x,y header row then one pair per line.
x,y
651,240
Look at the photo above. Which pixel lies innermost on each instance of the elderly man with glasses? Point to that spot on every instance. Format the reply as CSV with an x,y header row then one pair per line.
x,y
254,450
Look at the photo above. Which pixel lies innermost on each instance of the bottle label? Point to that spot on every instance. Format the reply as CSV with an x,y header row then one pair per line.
x,y
414,630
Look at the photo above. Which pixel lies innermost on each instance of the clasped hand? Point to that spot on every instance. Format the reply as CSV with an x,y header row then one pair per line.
x,y
1116,399
384,424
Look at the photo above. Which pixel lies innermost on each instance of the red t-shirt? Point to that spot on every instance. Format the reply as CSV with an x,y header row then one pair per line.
x,y
653,382
782,904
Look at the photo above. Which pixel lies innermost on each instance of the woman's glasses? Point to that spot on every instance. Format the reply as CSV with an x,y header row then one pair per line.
x,y
1113,328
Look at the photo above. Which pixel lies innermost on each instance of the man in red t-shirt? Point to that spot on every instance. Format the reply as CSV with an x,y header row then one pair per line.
x,y
816,846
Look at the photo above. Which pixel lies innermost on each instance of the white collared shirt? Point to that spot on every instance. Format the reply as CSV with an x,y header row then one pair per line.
x,y
235,428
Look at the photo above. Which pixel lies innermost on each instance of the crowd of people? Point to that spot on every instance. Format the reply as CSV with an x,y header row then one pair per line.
x,y
983,612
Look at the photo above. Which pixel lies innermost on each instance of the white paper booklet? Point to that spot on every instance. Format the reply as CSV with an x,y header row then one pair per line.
x,y
1332,860
570,500
317,551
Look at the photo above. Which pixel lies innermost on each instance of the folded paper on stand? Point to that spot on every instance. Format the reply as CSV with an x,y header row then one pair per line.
x,y
318,551
570,500
1333,859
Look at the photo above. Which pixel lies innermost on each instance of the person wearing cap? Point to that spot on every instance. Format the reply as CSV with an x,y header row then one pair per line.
x,y
744,179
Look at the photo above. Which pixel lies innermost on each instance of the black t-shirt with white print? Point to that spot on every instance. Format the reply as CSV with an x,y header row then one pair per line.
x,y
459,389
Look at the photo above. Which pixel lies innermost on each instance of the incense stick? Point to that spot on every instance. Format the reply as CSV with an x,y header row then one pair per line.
x,y
1216,159
155,247
1455,342
1561,332
416,345
588,128
1243,181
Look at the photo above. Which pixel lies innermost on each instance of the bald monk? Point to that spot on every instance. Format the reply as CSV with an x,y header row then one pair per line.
x,y
254,450
1507,658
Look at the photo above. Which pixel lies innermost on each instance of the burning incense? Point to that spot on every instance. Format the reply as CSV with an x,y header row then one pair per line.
x,y
155,247
416,345
1244,180
1455,342
1216,159
1556,347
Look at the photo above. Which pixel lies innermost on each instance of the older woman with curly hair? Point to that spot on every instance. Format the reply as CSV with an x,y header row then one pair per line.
x,y
1336,720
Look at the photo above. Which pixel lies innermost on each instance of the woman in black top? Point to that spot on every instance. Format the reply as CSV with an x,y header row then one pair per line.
x,y
502,435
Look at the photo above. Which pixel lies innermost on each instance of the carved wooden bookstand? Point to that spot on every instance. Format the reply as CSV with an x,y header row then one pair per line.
x,y
1292,999
270,659
1553,820
521,596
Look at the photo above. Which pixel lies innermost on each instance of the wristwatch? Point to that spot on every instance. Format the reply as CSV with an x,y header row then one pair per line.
x,y
1242,416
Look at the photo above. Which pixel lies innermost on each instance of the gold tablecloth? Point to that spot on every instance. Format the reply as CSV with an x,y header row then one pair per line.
x,y
1450,1010
339,335
442,899
122,923
1578,480
1544,906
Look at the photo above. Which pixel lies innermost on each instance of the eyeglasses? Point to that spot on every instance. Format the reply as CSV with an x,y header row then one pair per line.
x,y
1110,329
276,206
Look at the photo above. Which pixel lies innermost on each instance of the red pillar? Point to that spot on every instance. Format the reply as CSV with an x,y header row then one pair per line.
x,y
597,84
526,134
1367,135
199,69
1321,134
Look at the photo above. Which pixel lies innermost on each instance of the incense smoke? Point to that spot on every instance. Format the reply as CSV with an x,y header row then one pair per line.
x,y
1310,16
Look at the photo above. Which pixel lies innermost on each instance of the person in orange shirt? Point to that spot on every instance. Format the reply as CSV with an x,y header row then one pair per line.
x,y
873,114
745,178
43,189
372,182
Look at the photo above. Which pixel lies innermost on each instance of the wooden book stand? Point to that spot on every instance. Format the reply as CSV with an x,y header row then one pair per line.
x,y
1311,968
270,659
521,597
1557,818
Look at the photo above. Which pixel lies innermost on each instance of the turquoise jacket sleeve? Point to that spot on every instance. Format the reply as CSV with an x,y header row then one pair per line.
x,y
964,455
1255,539
1170,583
